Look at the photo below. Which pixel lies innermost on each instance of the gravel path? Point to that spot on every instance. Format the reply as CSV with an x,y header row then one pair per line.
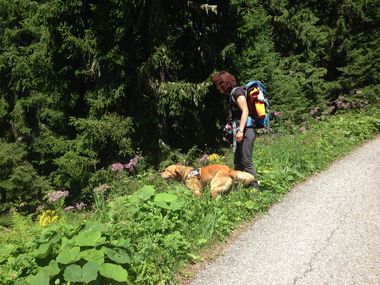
x,y
325,231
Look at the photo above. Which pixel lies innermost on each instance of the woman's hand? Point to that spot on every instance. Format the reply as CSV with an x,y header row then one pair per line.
x,y
239,136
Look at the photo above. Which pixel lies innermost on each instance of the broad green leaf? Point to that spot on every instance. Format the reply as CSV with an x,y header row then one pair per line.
x,y
52,269
70,230
145,193
73,273
162,204
44,237
85,274
94,255
89,272
89,238
67,243
69,256
48,235
118,255
41,278
113,271
168,201
165,197
43,250
176,205
55,238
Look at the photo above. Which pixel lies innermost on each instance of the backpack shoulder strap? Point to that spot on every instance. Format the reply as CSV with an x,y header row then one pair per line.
x,y
243,88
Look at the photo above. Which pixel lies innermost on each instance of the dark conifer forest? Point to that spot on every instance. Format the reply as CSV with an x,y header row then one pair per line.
x,y
84,84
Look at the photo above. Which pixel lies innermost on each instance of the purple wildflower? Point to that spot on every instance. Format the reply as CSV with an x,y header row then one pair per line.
x,y
131,166
80,205
57,195
69,208
117,166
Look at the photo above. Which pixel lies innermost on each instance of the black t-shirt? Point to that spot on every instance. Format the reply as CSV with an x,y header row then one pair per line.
x,y
235,110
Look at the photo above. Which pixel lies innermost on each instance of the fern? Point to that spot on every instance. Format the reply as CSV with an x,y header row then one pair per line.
x,y
22,228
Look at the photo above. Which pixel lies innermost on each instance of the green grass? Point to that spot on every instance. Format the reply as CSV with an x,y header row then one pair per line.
x,y
293,157
161,227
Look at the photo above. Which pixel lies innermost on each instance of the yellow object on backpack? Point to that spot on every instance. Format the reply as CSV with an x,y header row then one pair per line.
x,y
259,106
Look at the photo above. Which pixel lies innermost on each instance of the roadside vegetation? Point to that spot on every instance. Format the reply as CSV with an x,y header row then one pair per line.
x,y
144,230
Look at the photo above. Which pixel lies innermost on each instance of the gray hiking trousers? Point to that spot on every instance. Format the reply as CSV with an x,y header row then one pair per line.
x,y
243,152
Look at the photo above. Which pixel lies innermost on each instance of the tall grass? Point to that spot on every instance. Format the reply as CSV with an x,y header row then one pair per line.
x,y
290,158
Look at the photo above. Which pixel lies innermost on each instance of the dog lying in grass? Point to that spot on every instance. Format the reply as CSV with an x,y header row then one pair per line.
x,y
219,177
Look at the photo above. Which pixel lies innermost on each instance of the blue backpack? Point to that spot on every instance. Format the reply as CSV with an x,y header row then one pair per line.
x,y
262,122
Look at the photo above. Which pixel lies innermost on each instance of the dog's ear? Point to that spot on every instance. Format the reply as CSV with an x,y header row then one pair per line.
x,y
174,169
180,169
177,168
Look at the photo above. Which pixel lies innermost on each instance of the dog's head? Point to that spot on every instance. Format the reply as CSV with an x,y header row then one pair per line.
x,y
173,171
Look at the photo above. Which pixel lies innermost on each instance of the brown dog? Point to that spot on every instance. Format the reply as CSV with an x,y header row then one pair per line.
x,y
220,177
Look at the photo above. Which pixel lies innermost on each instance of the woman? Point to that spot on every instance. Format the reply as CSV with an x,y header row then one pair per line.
x,y
243,125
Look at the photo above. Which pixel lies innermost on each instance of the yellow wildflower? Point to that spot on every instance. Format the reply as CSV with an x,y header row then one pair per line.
x,y
214,158
47,217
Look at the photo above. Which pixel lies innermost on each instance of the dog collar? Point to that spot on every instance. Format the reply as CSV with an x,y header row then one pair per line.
x,y
193,173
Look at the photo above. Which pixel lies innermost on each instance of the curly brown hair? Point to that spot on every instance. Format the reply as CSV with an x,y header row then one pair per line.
x,y
224,81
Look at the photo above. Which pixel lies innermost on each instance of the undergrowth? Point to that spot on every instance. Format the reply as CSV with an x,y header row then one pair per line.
x,y
143,230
